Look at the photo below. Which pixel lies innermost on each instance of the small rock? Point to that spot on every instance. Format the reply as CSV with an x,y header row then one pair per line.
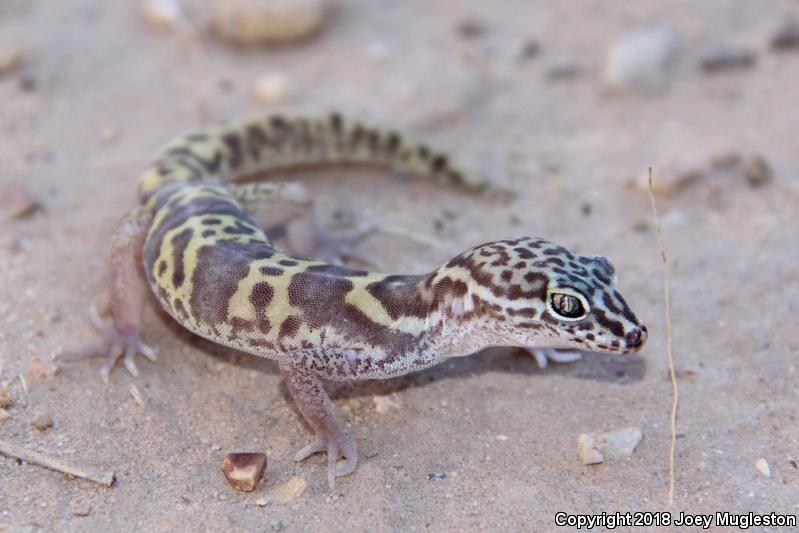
x,y
640,60
39,370
669,182
261,502
530,49
787,37
290,490
244,470
641,225
4,415
42,421
10,60
384,404
587,451
273,89
619,443
564,70
251,22
277,525
161,13
83,509
18,201
6,400
470,28
728,59
758,172
762,466
597,447
433,476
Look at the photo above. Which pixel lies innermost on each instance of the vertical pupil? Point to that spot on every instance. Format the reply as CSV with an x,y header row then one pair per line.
x,y
567,305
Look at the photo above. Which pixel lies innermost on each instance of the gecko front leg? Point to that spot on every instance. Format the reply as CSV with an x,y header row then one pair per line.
x,y
127,296
315,405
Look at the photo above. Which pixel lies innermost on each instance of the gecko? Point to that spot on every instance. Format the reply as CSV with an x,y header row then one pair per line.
x,y
197,240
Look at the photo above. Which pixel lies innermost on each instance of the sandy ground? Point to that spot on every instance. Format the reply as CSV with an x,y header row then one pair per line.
x,y
100,90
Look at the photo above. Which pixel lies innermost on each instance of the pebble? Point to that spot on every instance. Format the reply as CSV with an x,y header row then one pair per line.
x,y
42,421
787,37
433,476
18,201
564,70
619,443
290,490
4,415
161,13
384,404
273,88
587,451
261,502
530,49
39,370
639,60
758,172
728,59
82,510
6,400
277,525
597,447
10,60
252,22
668,182
244,470
470,28
762,466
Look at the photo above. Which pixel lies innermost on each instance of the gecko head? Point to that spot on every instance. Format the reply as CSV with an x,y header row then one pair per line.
x,y
533,293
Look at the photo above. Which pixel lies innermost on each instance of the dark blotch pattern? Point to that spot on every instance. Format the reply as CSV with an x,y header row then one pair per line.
x,y
179,243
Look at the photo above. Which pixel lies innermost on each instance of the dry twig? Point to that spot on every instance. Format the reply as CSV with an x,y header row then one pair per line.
x,y
30,456
667,305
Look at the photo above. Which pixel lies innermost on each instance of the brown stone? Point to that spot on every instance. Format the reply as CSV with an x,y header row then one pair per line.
x,y
244,470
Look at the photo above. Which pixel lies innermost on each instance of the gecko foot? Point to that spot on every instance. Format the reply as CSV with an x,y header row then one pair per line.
x,y
335,446
115,344
544,355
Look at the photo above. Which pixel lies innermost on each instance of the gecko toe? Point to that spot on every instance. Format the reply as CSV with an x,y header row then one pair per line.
x,y
315,447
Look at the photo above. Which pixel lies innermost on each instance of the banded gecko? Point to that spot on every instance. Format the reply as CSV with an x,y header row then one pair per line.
x,y
197,240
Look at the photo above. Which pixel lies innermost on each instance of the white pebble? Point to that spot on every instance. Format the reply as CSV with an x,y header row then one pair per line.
x,y
274,88
640,60
161,13
587,450
596,447
249,22
763,467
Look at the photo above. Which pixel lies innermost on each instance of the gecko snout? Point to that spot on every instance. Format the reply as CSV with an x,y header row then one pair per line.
x,y
636,338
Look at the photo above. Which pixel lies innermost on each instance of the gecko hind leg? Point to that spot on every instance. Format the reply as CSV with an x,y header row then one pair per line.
x,y
290,206
317,409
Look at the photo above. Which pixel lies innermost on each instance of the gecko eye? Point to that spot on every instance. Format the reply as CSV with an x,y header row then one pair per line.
x,y
568,306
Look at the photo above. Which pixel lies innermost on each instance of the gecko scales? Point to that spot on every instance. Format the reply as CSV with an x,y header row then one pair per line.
x,y
197,241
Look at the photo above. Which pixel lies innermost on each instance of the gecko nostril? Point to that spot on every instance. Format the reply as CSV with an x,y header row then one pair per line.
x,y
635,338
